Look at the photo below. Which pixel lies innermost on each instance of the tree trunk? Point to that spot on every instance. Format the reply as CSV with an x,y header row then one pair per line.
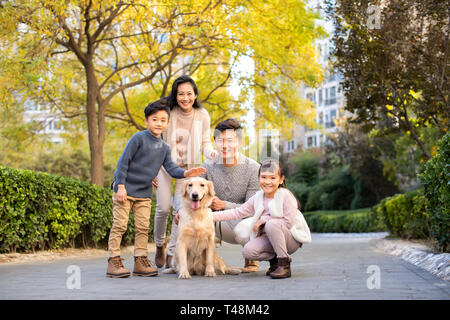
x,y
96,125
421,145
413,134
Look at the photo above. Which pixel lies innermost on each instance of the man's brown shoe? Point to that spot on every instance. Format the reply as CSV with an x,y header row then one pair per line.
x,y
273,265
250,266
283,270
159,257
116,269
142,267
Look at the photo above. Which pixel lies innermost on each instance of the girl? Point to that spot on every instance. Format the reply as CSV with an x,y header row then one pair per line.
x,y
277,228
188,136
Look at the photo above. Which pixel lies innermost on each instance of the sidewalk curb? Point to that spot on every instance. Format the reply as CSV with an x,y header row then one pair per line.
x,y
418,255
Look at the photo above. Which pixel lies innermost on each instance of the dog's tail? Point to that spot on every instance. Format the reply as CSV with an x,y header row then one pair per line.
x,y
233,271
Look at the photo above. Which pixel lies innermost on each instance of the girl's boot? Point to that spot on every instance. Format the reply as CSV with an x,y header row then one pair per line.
x,y
273,265
283,270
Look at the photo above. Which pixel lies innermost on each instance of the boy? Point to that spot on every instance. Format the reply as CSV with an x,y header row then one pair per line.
x,y
138,165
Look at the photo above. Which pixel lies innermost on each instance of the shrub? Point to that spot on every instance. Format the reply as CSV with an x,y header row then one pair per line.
x,y
300,190
42,211
307,168
405,215
361,220
436,182
335,191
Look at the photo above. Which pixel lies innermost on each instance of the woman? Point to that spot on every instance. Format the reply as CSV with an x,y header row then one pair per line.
x,y
188,136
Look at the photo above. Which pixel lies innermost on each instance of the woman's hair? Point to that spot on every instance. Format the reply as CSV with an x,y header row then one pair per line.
x,y
173,94
273,166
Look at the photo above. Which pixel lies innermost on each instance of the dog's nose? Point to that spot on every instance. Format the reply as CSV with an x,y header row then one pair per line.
x,y
195,196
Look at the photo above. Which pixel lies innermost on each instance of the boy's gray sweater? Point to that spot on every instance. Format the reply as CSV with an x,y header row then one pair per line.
x,y
140,163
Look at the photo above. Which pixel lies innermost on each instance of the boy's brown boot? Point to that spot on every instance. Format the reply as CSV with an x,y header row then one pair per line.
x,y
159,257
273,265
142,267
283,270
116,269
250,266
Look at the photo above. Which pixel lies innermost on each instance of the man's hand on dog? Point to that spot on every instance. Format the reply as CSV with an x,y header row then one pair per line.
x,y
194,172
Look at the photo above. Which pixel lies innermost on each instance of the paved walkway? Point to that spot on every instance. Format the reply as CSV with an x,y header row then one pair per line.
x,y
332,267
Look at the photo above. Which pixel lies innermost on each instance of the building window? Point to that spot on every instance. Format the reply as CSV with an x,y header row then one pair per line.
x,y
333,94
310,142
333,117
330,96
58,126
340,90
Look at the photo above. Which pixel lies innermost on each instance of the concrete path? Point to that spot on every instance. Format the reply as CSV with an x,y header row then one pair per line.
x,y
332,267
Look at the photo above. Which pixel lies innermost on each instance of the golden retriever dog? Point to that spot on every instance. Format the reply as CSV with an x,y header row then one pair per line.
x,y
195,252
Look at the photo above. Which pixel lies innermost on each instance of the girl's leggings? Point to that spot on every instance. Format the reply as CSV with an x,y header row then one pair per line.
x,y
275,240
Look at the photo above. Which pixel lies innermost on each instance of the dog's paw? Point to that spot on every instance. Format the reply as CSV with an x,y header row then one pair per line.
x,y
210,273
184,275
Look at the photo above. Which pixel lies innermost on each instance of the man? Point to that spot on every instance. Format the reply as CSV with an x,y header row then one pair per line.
x,y
235,180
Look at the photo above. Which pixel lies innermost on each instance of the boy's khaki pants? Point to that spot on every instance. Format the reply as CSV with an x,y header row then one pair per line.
x,y
121,210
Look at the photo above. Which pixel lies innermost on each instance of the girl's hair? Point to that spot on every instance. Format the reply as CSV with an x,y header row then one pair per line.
x,y
173,94
273,166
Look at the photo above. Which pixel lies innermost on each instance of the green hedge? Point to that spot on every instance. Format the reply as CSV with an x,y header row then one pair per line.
x,y
436,182
424,213
405,215
361,220
42,211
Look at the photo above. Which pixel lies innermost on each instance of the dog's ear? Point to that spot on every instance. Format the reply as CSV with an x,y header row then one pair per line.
x,y
183,190
211,191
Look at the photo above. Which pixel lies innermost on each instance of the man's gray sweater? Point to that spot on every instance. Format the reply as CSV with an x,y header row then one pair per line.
x,y
140,163
236,184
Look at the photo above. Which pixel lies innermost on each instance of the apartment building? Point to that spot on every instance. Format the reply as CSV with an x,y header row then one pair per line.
x,y
327,98
49,123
